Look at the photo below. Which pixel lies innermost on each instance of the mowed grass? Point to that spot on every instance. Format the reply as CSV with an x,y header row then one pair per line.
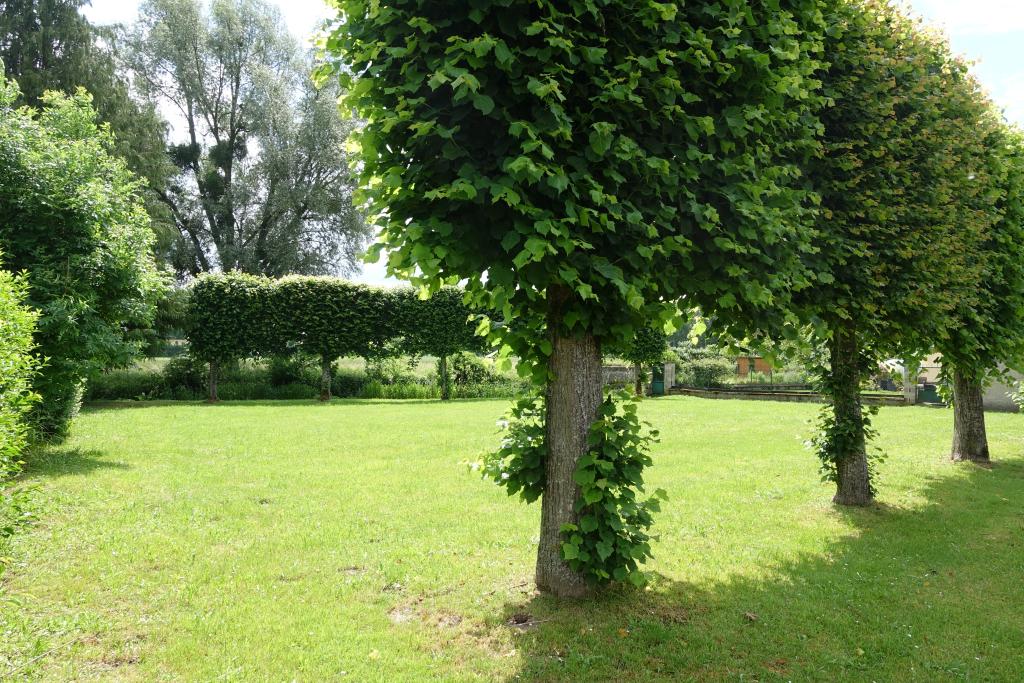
x,y
296,541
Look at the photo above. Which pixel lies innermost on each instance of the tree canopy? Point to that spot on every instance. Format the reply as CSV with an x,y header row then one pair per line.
x,y
581,165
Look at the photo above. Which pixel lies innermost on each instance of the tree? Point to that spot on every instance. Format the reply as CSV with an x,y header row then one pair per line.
x,y
440,326
231,316
262,183
547,154
333,318
72,220
899,170
647,348
50,45
987,330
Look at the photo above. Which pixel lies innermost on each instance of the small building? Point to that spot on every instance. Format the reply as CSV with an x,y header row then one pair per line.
x,y
759,365
998,396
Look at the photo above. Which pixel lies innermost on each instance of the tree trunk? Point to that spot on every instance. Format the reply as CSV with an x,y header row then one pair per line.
x,y
214,371
573,399
970,441
639,388
853,483
325,378
442,372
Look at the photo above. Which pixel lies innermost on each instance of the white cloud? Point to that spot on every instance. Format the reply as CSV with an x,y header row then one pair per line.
x,y
973,17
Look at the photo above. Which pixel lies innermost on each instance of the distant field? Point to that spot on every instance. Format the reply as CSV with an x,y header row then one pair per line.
x,y
296,541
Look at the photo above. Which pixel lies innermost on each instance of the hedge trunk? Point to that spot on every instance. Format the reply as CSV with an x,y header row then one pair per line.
x,y
970,440
214,371
442,371
573,399
852,478
325,378
639,388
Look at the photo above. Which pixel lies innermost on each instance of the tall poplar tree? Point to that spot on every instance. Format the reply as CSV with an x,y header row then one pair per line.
x,y
581,165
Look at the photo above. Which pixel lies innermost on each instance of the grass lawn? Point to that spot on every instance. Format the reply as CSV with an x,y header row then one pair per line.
x,y
295,541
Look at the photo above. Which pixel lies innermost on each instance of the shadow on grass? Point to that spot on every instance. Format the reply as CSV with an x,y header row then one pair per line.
x,y
57,462
929,593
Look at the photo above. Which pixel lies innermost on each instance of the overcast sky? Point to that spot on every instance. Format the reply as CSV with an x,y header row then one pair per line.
x,y
988,32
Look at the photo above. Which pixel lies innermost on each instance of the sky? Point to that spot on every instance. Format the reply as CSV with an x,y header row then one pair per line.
x,y
989,33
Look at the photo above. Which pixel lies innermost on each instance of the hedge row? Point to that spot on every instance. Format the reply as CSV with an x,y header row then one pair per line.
x,y
234,316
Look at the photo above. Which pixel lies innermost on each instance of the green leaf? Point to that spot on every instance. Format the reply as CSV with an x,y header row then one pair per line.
x,y
484,103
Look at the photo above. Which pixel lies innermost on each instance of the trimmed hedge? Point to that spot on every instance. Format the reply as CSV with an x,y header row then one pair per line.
x,y
234,316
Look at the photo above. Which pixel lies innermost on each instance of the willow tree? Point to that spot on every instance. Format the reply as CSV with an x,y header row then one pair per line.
x,y
987,331
262,182
899,175
580,165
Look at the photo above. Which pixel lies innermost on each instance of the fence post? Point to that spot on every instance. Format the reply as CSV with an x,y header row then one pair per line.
x,y
670,376
909,388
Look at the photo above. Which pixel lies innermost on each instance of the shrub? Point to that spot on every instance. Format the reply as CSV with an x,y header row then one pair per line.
x,y
73,219
388,371
17,368
299,368
263,391
185,371
125,383
504,387
348,383
708,372
399,390
467,368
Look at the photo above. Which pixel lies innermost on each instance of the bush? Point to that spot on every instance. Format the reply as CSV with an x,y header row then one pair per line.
x,y
399,390
505,387
348,383
708,372
186,371
299,368
387,371
263,391
73,219
18,366
131,383
466,369
297,377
